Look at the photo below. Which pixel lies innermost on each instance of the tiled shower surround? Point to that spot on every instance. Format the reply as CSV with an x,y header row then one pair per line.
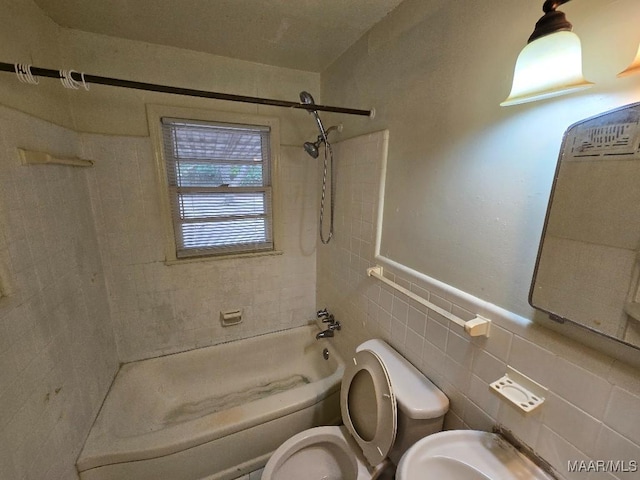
x,y
159,308
57,349
591,410
85,285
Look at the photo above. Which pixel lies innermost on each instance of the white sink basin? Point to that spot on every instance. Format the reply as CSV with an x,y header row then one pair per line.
x,y
466,455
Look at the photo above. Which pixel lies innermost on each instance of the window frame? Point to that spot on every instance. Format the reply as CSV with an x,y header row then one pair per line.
x,y
155,114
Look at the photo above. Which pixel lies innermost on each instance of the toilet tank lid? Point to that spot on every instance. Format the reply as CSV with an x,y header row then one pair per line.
x,y
416,395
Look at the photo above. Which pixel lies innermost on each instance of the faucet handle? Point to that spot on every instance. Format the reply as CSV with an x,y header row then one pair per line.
x,y
322,313
329,319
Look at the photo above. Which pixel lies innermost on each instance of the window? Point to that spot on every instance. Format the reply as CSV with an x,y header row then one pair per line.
x,y
219,186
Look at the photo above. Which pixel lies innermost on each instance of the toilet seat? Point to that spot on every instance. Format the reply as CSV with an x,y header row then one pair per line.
x,y
368,406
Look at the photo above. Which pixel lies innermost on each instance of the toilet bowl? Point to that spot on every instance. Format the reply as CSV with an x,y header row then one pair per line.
x,y
386,404
321,453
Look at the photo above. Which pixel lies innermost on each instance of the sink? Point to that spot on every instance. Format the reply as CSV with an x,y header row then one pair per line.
x,y
466,455
445,467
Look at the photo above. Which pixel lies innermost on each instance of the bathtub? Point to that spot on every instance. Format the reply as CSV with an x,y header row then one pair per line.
x,y
213,413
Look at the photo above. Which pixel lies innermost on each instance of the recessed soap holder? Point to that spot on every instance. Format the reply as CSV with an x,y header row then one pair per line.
x,y
231,317
520,390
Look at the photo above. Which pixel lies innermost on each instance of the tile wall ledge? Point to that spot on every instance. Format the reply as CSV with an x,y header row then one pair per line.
x,y
575,343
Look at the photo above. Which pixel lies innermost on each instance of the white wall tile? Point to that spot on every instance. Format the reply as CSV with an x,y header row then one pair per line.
x,y
579,387
460,349
58,352
484,397
487,367
623,414
613,446
172,303
414,342
532,360
558,452
498,344
571,424
526,427
437,333
476,418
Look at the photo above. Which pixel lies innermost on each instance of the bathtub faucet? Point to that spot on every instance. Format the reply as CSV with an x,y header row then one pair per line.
x,y
333,324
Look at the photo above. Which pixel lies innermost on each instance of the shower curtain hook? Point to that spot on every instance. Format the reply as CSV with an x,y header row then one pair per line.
x,y
84,84
68,81
23,72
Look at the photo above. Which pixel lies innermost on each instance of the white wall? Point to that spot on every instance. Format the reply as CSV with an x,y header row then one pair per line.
x,y
121,111
467,184
590,412
30,37
468,181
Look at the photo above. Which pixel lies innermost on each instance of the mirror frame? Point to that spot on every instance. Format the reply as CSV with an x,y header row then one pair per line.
x,y
556,317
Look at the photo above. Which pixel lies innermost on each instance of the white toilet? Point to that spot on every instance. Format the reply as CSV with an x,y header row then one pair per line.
x,y
387,405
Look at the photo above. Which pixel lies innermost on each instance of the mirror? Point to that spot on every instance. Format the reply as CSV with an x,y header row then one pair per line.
x,y
588,265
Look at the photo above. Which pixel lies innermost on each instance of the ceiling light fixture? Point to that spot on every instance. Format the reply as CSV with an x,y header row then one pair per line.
x,y
633,68
551,63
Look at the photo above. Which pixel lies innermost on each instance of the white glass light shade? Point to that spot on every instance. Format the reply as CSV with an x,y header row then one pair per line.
x,y
548,67
633,68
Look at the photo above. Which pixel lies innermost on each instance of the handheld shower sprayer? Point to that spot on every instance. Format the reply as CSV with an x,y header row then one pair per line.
x,y
313,149
307,99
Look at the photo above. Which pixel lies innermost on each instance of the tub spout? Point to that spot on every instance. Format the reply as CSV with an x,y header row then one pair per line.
x,y
328,333
324,334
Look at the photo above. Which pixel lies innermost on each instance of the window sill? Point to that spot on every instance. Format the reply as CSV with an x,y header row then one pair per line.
x,y
214,258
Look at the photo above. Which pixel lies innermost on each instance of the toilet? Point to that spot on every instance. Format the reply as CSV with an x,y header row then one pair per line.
x,y
387,405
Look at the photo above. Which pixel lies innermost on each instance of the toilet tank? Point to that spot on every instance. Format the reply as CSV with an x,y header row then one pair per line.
x,y
421,405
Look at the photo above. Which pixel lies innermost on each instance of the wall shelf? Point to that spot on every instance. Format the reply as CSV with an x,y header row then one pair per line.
x,y
32,157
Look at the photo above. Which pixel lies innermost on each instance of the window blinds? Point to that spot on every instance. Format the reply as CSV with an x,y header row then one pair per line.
x,y
219,180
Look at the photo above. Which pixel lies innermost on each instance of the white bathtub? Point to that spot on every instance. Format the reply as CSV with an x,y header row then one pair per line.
x,y
213,413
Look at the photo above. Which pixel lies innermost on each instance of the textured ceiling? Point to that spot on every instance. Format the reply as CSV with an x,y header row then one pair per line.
x,y
301,34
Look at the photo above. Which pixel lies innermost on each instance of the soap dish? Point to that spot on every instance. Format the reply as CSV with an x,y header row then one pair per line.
x,y
520,390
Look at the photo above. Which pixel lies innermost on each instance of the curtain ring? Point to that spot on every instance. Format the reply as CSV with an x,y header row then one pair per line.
x,y
23,72
84,84
67,81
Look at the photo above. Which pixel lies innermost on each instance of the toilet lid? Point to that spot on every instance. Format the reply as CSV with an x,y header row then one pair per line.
x,y
368,406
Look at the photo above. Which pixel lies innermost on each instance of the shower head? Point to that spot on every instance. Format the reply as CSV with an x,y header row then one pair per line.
x,y
312,148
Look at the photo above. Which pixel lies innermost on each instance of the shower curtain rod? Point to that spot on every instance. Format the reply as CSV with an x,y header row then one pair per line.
x,y
115,82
